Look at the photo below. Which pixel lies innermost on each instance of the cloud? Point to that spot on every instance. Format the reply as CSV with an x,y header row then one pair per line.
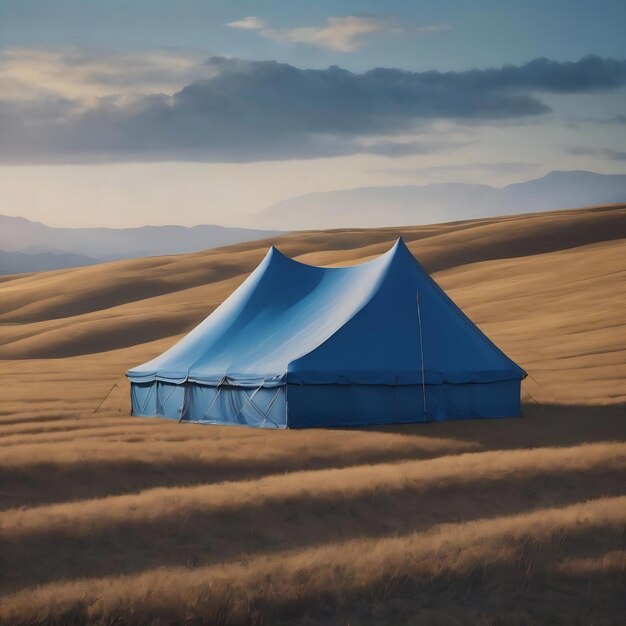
x,y
248,23
589,74
340,34
394,149
264,110
500,167
27,74
606,153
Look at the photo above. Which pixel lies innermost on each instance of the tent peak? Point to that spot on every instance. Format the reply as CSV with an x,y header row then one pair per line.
x,y
399,248
275,252
400,243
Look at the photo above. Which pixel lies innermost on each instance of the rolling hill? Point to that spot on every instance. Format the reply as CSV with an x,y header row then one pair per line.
x,y
27,246
108,518
412,204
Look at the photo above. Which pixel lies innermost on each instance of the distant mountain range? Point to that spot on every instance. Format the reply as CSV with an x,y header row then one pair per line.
x,y
27,246
19,262
397,206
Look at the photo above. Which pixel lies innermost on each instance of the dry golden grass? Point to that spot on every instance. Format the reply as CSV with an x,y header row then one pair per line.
x,y
109,519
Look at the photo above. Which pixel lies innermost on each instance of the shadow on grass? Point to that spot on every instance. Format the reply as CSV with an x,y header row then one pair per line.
x,y
523,585
541,425
198,534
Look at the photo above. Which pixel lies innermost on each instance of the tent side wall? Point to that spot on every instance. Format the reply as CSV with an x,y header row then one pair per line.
x,y
366,405
262,407
328,405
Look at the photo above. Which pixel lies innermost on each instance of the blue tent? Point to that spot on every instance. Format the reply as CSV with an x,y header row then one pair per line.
x,y
302,346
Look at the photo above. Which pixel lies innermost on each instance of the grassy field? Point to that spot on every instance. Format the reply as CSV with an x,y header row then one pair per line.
x,y
110,519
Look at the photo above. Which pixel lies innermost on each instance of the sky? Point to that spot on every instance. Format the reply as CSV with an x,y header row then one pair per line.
x,y
130,112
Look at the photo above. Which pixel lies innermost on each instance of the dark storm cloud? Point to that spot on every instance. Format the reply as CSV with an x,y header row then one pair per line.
x,y
257,110
591,73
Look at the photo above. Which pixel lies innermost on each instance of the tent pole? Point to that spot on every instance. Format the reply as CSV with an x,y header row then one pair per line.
x,y
419,321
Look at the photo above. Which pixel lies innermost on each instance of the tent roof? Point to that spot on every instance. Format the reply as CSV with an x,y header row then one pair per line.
x,y
292,322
